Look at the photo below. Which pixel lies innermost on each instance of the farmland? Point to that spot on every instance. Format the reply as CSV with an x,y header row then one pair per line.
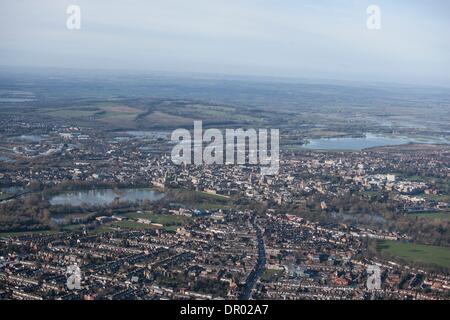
x,y
418,253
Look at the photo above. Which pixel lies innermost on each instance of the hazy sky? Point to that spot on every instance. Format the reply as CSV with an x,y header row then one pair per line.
x,y
295,38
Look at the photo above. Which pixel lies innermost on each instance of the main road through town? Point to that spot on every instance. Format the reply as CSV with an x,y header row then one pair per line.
x,y
252,278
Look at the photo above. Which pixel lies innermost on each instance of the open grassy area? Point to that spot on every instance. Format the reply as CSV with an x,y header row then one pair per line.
x,y
423,254
371,193
96,109
73,227
211,112
128,224
431,215
321,133
72,113
164,219
217,197
210,206
200,200
134,225
66,228
100,230
27,233
170,228
166,119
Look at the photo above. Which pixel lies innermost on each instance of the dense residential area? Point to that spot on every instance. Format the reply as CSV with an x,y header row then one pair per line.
x,y
116,208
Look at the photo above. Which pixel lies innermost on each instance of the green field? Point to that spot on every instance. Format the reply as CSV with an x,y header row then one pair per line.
x,y
200,199
128,224
431,215
170,222
271,275
210,206
4,196
371,193
97,230
437,197
72,113
164,219
423,254
416,178
219,112
28,233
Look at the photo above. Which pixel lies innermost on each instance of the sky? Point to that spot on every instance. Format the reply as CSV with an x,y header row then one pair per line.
x,y
312,39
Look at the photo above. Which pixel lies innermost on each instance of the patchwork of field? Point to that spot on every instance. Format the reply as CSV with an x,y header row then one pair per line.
x,y
138,101
28,233
152,114
73,113
164,219
218,112
200,200
101,112
162,119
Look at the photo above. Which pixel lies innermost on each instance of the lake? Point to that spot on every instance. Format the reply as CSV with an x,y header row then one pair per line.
x,y
13,100
356,144
149,134
29,138
105,196
6,159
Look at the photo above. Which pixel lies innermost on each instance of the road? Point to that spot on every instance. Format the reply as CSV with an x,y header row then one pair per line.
x,y
252,278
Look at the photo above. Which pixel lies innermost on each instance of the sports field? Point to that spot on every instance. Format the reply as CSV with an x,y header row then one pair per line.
x,y
424,254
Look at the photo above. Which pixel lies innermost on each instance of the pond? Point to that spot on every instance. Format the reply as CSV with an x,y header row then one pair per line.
x,y
98,197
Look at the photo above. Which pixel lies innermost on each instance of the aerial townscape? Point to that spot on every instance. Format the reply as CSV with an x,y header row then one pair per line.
x,y
93,187
224,158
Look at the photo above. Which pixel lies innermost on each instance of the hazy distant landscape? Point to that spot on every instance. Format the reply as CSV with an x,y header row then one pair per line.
x,y
303,110
225,151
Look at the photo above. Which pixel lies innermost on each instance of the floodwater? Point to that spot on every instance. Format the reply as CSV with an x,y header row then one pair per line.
x,y
370,141
98,197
